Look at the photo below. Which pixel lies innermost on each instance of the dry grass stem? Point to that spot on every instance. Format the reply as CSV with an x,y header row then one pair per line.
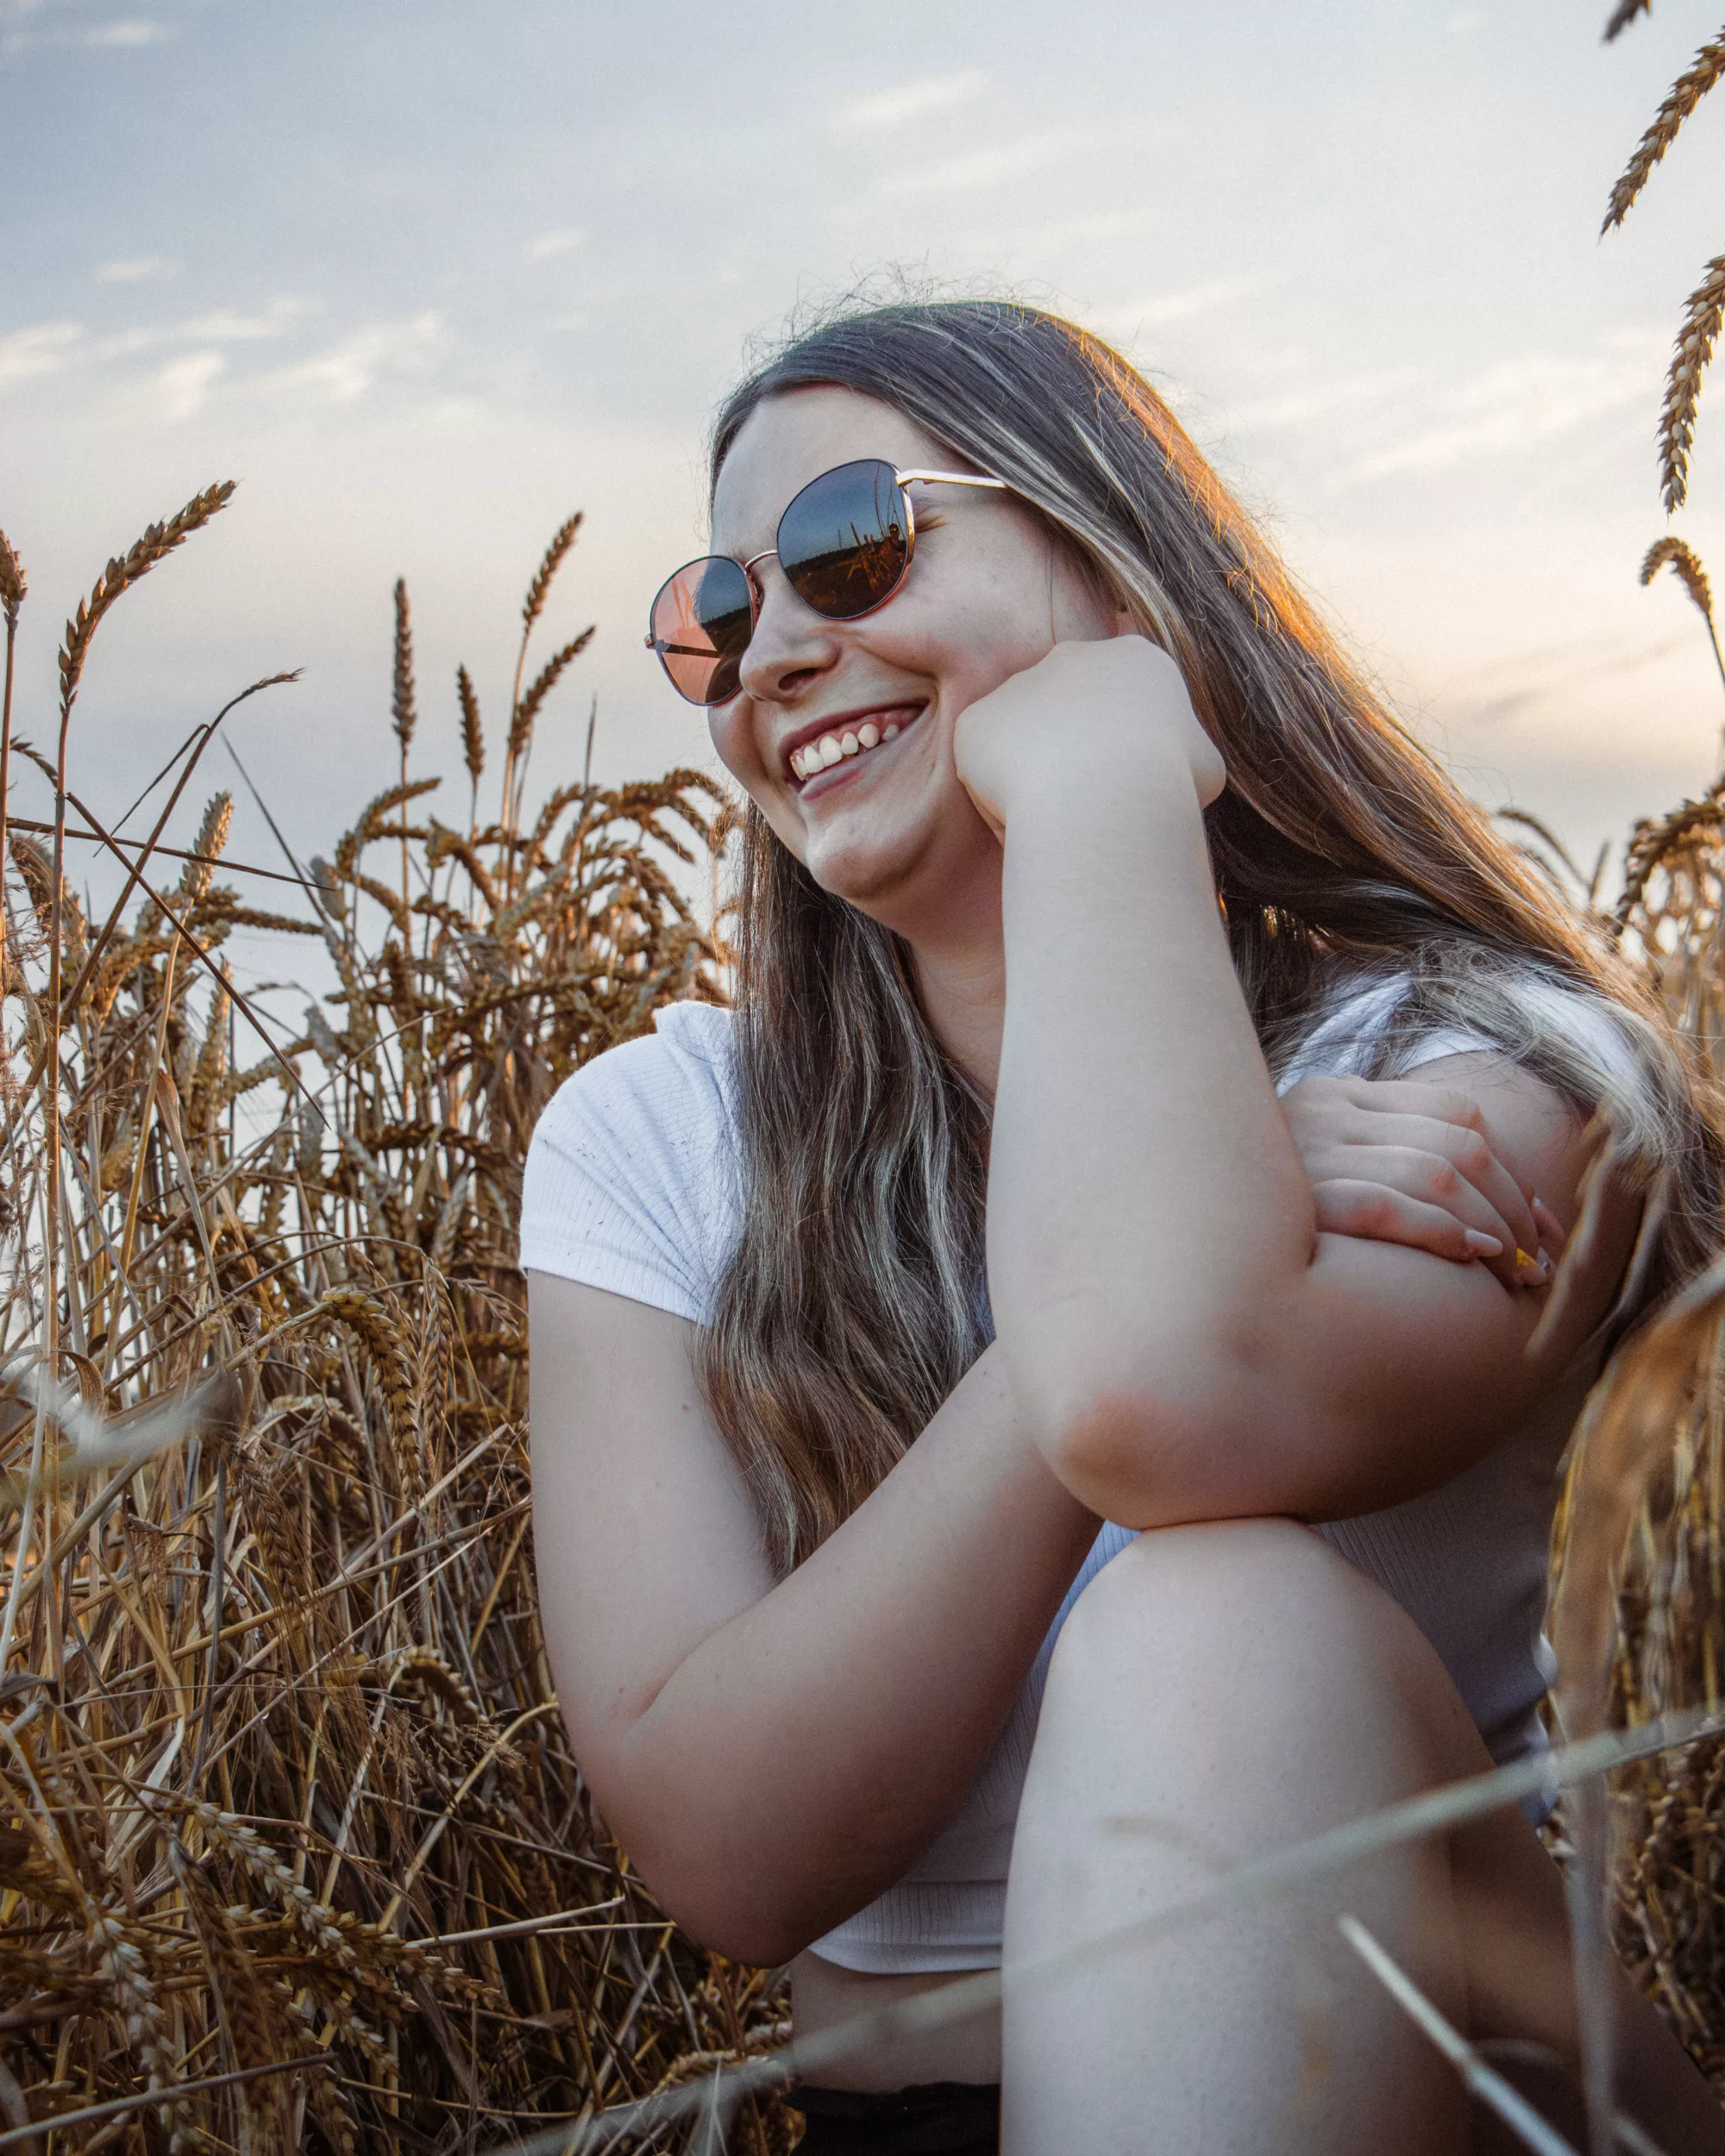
x,y
1482,2079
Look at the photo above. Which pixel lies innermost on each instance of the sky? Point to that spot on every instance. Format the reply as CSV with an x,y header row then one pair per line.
x,y
424,278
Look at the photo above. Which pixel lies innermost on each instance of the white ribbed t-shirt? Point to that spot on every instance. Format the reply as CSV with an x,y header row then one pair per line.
x,y
632,1184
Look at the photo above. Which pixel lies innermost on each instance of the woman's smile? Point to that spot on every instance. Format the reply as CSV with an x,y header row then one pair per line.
x,y
834,746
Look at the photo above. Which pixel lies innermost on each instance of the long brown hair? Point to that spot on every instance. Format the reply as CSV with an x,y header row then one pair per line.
x,y
854,1299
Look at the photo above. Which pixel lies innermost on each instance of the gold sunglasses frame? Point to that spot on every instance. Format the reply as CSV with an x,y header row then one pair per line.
x,y
901,479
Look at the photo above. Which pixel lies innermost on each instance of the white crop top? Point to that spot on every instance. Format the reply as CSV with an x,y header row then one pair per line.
x,y
632,1185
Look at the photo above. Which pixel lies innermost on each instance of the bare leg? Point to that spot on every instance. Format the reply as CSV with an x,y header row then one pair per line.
x,y
1230,1690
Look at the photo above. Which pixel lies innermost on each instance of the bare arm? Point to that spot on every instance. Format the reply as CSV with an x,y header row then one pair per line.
x,y
1187,1342
773,1756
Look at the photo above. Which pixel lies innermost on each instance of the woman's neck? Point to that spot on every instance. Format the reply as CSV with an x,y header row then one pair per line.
x,y
962,985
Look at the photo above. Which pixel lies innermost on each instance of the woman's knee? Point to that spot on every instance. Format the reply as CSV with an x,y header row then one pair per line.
x,y
1259,1629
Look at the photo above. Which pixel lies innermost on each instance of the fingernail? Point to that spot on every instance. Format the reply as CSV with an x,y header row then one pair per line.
x,y
1537,1270
1483,1245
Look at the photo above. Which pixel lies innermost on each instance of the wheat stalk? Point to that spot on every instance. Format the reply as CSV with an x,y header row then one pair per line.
x,y
532,606
1684,95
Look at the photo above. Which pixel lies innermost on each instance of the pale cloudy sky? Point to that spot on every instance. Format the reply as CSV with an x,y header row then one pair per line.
x,y
425,276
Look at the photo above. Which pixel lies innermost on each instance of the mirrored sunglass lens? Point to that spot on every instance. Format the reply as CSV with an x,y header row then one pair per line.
x,y
844,541
702,621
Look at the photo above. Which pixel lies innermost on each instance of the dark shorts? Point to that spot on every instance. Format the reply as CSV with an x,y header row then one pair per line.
x,y
936,2118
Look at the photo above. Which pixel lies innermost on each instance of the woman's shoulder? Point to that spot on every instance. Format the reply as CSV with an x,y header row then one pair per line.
x,y
631,1181
1390,1020
680,1073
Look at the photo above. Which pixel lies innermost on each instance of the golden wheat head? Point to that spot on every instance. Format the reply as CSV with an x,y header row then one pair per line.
x,y
1702,317
1685,94
534,604
1623,15
472,735
12,581
404,715
1685,566
521,726
158,542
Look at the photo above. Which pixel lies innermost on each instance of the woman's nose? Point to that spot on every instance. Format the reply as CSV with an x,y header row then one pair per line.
x,y
791,641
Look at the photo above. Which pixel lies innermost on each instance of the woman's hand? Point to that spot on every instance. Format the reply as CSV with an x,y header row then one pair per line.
x,y
1395,1161
1087,714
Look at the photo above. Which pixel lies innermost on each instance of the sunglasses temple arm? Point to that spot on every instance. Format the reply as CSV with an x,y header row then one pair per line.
x,y
952,478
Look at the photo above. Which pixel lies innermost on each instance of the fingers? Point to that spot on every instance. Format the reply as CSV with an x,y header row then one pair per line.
x,y
1390,1209
1377,1213
1349,1129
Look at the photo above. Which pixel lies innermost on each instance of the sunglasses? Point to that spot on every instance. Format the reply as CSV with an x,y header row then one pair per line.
x,y
844,544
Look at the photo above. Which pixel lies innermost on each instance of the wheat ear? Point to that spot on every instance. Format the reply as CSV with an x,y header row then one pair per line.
x,y
403,713
532,607
158,541
1701,316
12,589
534,604
12,585
1685,566
405,716
472,735
1685,94
1623,15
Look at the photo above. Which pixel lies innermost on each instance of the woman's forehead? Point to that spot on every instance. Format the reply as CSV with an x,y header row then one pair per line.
x,y
791,438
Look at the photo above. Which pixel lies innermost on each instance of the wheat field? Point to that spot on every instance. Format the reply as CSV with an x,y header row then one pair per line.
x,y
293,1852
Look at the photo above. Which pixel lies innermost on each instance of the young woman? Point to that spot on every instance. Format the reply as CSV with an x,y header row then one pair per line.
x,y
970,1284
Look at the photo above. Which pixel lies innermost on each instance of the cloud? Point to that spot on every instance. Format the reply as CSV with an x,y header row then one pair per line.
x,y
887,109
976,170
1525,684
224,326
136,269
550,243
348,369
1517,406
1272,415
45,349
228,328
128,33
185,383
1124,322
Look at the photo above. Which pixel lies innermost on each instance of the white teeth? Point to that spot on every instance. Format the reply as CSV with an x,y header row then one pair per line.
x,y
832,748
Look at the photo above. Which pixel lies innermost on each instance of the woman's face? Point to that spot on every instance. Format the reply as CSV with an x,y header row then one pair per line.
x,y
988,592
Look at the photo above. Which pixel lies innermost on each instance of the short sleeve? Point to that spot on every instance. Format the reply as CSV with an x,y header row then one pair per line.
x,y
631,1181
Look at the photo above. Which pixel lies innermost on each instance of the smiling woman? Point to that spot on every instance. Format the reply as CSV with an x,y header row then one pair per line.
x,y
1045,1360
